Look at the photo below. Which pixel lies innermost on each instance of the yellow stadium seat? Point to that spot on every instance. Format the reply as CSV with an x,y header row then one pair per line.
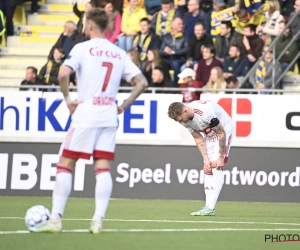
x,y
294,72
3,41
19,16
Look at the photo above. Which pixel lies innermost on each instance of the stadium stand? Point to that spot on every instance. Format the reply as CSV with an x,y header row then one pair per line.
x,y
35,34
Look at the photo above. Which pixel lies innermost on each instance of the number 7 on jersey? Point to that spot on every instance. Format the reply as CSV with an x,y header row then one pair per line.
x,y
109,67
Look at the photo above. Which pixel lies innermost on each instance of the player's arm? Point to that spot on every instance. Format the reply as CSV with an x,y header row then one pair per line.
x,y
141,84
200,142
64,80
219,130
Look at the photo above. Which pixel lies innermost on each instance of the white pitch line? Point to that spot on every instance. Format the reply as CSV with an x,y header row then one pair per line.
x,y
162,230
174,221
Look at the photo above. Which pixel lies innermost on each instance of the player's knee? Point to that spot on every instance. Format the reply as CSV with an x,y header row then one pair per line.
x,y
67,162
101,165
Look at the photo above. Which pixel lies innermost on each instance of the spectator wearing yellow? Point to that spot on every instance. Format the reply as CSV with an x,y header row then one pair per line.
x,y
130,24
162,21
263,75
49,72
273,18
251,6
219,14
242,19
140,4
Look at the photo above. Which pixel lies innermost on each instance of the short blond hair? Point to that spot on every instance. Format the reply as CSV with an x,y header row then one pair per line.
x,y
175,110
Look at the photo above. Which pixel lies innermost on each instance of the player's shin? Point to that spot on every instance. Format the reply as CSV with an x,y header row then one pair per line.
x,y
103,191
217,181
61,191
208,184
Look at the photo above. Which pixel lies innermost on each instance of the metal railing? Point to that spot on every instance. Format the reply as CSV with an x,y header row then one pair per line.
x,y
272,47
175,90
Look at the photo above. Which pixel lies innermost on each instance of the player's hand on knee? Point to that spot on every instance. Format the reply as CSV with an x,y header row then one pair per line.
x,y
207,166
220,162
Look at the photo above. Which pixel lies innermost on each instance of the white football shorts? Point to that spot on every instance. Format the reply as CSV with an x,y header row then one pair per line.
x,y
212,146
82,143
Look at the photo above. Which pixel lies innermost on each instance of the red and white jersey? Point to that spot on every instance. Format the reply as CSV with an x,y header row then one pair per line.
x,y
99,65
204,111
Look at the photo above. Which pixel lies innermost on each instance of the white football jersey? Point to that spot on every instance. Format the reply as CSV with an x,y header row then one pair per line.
x,y
204,111
99,67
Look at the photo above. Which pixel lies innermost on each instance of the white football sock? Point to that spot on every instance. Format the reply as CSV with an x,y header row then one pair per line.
x,y
103,191
218,181
61,193
208,185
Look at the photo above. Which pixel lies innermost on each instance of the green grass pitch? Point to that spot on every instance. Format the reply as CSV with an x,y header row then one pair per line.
x,y
153,224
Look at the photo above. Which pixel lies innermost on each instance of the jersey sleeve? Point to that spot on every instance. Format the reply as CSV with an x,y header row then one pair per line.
x,y
74,58
208,112
130,69
188,127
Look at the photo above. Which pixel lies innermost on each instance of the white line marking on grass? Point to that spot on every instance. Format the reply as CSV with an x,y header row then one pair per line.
x,y
162,230
174,221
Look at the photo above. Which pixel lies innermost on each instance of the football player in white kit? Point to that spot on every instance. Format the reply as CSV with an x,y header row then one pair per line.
x,y
100,65
212,129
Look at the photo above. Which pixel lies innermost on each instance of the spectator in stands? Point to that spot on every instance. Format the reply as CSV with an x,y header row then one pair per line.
x,y
251,6
67,40
114,21
195,45
224,41
231,83
31,79
162,21
282,43
295,25
8,7
220,13
154,60
273,18
81,14
140,4
262,76
118,5
49,72
291,51
187,76
252,44
34,6
145,39
130,24
135,57
159,80
216,81
174,47
152,7
193,16
287,7
237,64
206,64
243,18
